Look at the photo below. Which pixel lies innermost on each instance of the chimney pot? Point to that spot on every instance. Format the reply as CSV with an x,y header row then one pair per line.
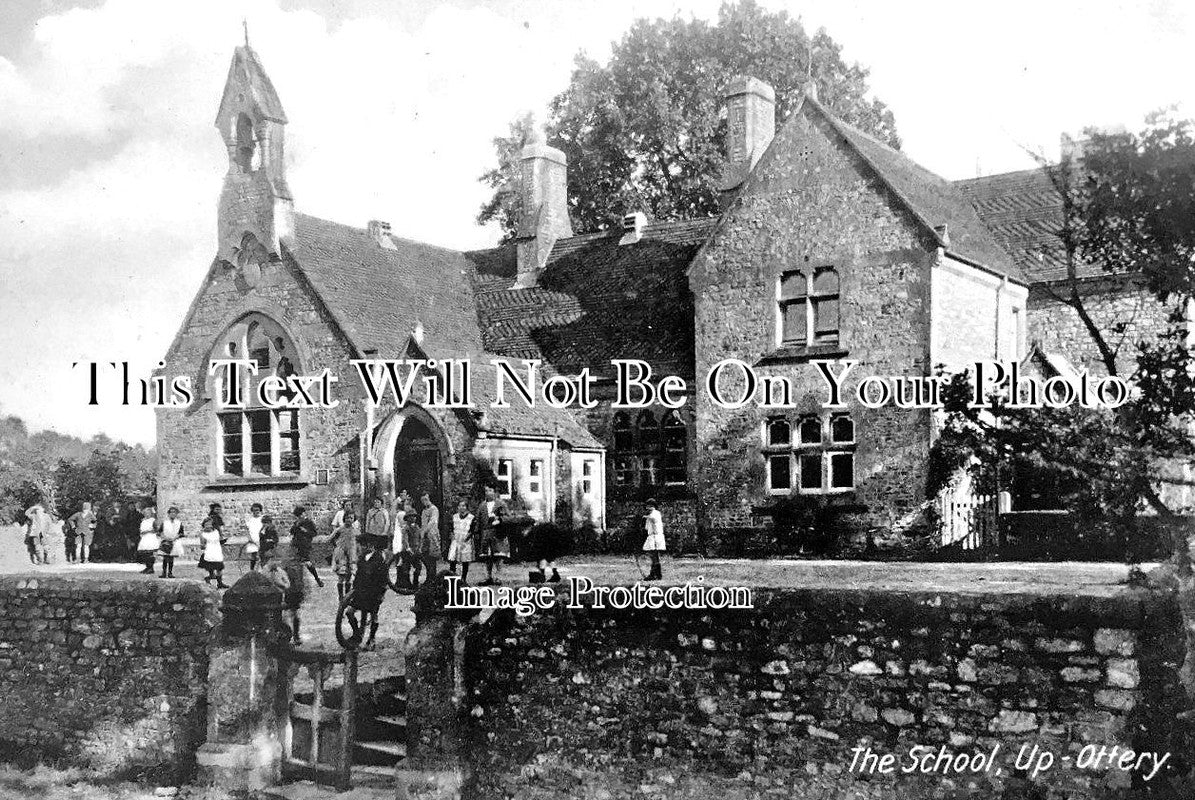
x,y
632,227
379,231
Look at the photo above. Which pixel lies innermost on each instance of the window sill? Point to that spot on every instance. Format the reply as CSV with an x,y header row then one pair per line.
x,y
256,482
800,353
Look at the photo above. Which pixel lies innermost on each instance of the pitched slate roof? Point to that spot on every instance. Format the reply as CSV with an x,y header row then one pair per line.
x,y
377,294
1024,212
932,199
596,300
520,419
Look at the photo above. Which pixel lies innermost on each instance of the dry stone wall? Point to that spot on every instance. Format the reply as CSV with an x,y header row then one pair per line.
x,y
772,702
109,674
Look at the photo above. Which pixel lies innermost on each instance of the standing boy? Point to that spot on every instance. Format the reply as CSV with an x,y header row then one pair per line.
x,y
429,535
83,524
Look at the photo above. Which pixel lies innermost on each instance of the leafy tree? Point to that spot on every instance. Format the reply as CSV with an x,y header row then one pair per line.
x,y
63,471
1128,210
643,132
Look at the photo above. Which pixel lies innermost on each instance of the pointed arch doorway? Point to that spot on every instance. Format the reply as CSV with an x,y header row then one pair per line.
x,y
414,453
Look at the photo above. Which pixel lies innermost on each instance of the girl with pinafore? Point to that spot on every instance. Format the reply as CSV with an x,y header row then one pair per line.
x,y
212,559
148,544
253,524
172,546
461,549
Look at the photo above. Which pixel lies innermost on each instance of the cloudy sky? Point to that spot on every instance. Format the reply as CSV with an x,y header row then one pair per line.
x,y
110,166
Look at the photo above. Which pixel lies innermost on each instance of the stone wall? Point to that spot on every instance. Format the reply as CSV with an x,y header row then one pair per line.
x,y
1111,302
105,673
772,701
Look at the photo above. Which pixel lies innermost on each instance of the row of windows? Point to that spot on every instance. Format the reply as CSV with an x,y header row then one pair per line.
x,y
650,451
259,442
808,307
504,473
814,455
810,430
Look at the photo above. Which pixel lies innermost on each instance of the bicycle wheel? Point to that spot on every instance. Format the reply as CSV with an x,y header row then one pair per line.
x,y
347,615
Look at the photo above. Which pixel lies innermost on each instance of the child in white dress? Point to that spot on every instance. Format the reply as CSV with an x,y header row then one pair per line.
x,y
253,524
213,554
148,544
461,548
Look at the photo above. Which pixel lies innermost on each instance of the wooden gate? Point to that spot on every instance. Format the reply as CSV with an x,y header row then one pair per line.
x,y
317,727
969,521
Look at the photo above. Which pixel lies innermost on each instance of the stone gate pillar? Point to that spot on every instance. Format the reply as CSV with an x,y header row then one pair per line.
x,y
436,766
243,750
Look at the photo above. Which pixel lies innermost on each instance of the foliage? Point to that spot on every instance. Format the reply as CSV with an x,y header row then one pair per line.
x,y
64,471
643,132
1129,209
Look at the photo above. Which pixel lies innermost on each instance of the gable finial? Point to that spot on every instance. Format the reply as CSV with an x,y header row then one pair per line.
x,y
245,26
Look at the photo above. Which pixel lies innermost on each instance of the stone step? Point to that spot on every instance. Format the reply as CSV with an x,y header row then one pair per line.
x,y
379,753
396,720
372,776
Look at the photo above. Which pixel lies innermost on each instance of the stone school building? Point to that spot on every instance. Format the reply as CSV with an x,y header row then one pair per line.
x,y
831,245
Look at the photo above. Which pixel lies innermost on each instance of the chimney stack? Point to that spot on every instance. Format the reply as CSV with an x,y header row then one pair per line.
x,y
544,192
632,227
379,231
750,125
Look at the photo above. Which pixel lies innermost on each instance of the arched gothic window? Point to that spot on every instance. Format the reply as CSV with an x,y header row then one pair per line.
x,y
652,451
257,440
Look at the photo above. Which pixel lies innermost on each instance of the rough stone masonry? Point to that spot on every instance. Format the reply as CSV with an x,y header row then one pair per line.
x,y
109,674
771,702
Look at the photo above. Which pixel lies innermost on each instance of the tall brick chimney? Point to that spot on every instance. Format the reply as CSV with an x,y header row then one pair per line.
x,y
544,192
750,125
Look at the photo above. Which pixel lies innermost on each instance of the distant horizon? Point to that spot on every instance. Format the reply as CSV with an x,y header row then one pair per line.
x,y
110,168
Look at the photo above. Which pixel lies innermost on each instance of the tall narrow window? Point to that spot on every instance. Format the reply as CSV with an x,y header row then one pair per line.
x,y
676,441
819,459
794,311
504,474
246,143
256,441
780,479
649,432
232,460
808,307
623,438
535,477
823,306
587,478
261,442
649,470
624,470
288,440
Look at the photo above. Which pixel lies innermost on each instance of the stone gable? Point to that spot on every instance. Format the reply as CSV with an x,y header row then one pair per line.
x,y
812,202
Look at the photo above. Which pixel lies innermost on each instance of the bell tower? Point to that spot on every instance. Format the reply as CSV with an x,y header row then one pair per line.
x,y
256,208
